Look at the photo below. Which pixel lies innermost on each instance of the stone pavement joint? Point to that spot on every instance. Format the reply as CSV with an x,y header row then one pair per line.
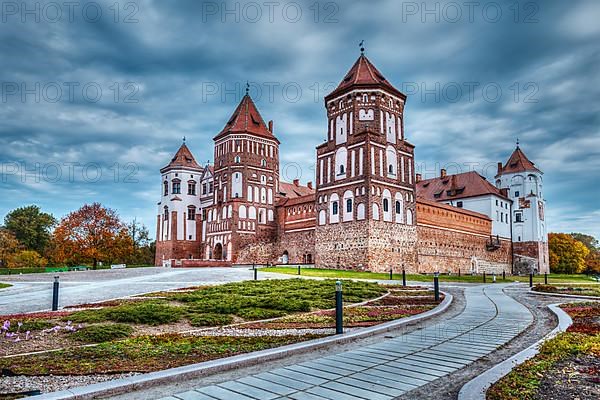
x,y
392,367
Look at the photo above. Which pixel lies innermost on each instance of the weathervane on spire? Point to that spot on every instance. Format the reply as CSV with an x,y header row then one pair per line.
x,y
247,87
362,47
184,139
517,143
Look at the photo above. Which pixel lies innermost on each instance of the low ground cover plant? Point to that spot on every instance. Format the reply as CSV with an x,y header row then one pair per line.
x,y
587,290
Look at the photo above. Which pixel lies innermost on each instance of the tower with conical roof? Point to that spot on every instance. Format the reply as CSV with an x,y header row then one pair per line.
x,y
246,179
178,231
365,177
523,181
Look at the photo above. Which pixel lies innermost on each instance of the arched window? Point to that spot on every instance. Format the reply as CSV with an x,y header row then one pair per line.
x,y
263,162
334,208
242,212
166,188
251,212
398,207
342,171
166,214
348,205
392,161
322,217
360,211
386,202
176,187
341,157
409,217
238,159
376,212
386,205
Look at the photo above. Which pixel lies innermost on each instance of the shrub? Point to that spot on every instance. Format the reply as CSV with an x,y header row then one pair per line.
x,y
256,313
148,313
210,319
102,333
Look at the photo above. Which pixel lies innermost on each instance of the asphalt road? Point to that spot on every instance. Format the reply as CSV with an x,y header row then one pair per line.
x,y
33,292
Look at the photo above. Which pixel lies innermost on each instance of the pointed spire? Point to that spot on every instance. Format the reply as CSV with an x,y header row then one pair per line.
x,y
246,119
183,159
364,75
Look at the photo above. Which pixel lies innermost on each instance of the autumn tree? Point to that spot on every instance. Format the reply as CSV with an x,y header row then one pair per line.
x,y
31,227
91,234
567,255
9,246
27,259
592,261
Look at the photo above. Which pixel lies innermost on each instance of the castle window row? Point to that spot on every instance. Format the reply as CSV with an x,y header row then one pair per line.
x,y
245,146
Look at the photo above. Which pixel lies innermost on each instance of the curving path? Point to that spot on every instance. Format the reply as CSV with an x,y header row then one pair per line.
x,y
393,367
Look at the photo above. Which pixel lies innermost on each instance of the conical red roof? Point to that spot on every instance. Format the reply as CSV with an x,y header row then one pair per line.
x,y
246,119
363,74
183,159
518,162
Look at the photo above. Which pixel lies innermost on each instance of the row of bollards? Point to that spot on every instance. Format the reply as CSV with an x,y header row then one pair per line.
x,y
403,276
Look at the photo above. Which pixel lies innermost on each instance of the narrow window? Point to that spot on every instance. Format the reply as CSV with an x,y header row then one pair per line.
x,y
349,205
176,188
166,188
386,205
398,207
459,204
334,207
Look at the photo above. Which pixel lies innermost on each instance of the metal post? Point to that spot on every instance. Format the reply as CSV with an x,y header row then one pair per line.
x,y
503,275
530,279
391,274
459,272
545,278
339,309
255,272
403,277
436,285
298,269
55,294
494,278
483,276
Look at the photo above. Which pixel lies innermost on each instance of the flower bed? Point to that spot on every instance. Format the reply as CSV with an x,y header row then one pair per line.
x,y
587,290
566,366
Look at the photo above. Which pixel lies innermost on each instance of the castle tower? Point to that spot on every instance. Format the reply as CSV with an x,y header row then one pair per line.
x,y
525,187
246,179
178,228
365,196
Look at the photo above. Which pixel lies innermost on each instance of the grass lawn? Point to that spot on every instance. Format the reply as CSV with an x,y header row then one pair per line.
x,y
342,274
160,330
4,285
566,365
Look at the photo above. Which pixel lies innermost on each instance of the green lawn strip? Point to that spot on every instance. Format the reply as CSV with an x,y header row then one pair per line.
x,y
4,285
583,337
397,275
141,354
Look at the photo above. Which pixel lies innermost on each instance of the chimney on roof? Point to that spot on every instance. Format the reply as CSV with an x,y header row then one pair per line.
x,y
443,173
419,177
271,126
499,168
296,182
309,184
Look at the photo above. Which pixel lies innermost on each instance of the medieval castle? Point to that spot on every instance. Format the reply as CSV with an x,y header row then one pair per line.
x,y
368,209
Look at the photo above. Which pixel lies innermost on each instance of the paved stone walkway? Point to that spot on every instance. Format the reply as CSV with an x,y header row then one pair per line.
x,y
393,367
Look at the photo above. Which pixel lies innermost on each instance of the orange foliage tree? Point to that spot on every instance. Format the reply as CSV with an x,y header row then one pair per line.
x,y
91,234
567,255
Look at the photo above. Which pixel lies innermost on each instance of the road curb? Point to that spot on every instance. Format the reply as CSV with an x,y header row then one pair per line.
x,y
125,385
476,388
568,296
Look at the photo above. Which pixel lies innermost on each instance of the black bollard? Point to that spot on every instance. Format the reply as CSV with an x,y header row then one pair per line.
x,y
403,277
255,272
298,270
503,275
545,278
459,272
436,285
391,274
483,276
530,279
55,294
339,309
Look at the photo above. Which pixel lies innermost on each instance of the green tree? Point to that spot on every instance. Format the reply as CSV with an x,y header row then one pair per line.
x,y
31,227
567,255
144,248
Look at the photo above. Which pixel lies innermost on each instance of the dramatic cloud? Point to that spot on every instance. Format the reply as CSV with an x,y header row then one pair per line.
x,y
94,105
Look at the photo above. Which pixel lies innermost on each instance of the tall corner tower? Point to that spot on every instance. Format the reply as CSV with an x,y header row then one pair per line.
x,y
365,198
524,183
246,180
178,227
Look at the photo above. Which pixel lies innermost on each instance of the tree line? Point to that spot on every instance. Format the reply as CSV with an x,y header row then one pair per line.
x,y
574,253
94,234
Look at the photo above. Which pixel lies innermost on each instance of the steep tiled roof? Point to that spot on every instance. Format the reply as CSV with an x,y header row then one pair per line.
x,y
246,119
451,208
292,190
451,187
183,159
363,74
518,162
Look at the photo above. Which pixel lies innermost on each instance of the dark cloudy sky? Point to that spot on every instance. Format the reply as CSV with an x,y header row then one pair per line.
x,y
96,98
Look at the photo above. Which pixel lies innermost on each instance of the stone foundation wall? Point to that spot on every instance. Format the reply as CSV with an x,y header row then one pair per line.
x,y
392,246
537,251
442,250
259,253
298,246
